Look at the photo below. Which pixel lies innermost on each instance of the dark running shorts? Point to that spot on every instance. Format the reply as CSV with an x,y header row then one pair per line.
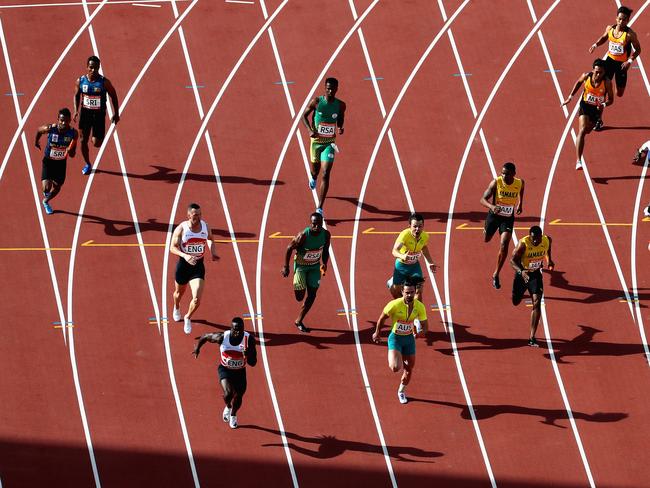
x,y
498,222
535,285
94,120
590,111
185,272
236,377
613,70
53,170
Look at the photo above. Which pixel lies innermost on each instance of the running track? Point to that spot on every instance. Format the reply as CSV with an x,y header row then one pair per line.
x,y
115,397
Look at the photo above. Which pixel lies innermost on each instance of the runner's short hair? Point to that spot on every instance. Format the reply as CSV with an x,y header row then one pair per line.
x,y
193,206
238,321
413,281
624,10
536,230
65,112
316,214
415,216
510,166
599,62
332,81
93,58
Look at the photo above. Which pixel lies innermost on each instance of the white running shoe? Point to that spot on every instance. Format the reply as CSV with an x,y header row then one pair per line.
x,y
389,282
226,414
177,315
578,165
233,422
188,326
646,211
418,325
401,395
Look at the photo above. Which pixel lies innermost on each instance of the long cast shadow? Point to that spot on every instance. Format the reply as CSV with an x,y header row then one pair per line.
x,y
328,446
595,295
584,345
549,416
173,176
604,180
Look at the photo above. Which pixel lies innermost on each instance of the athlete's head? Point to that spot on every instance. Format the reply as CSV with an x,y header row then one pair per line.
x,y
331,87
416,224
536,234
63,120
236,327
598,69
194,213
92,66
316,222
623,16
408,290
508,172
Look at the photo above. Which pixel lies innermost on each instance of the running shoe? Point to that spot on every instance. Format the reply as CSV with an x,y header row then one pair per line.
x,y
48,208
578,165
226,414
401,396
320,211
312,184
188,326
303,328
233,422
177,315
46,194
646,211
389,282
496,282
533,342
418,325
599,125
86,169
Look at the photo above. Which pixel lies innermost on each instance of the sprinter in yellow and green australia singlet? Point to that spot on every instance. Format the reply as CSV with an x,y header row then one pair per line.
x,y
324,118
528,261
503,198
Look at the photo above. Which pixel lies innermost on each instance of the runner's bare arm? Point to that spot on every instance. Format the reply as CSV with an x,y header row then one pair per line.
x,y
634,40
396,247
296,242
610,93
515,260
175,247
577,85
214,337
110,89
427,255
341,118
549,259
251,352
77,96
211,245
306,117
326,250
39,132
489,194
380,323
72,147
601,39
520,204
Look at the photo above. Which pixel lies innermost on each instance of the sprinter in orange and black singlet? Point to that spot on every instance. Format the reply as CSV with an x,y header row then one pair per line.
x,y
620,40
597,93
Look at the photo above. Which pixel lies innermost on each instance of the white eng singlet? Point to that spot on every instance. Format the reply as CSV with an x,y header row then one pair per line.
x,y
233,357
194,243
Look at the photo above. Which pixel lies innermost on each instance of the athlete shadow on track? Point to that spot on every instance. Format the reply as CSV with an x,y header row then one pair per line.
x,y
483,342
549,416
384,215
328,447
272,339
614,127
584,345
173,176
127,228
596,295
604,180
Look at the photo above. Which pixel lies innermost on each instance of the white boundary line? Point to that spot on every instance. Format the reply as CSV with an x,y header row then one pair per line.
x,y
59,304
197,139
74,4
85,198
46,80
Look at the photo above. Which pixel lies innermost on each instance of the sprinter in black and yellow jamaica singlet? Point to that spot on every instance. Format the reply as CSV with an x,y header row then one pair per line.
x,y
503,198
311,245
528,261
597,93
621,39
327,120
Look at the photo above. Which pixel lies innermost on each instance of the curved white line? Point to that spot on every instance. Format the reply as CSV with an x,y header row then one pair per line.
x,y
59,304
46,80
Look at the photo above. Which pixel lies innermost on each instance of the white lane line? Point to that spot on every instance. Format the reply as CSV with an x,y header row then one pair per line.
x,y
355,233
46,80
240,1
74,4
201,133
454,196
146,5
84,199
59,304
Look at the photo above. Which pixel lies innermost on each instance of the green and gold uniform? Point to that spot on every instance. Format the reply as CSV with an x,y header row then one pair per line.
x,y
324,123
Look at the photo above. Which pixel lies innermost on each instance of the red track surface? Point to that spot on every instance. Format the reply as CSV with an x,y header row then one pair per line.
x,y
128,370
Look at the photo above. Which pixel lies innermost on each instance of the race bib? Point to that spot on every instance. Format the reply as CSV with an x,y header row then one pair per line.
x,y
535,265
594,100
506,209
235,363
326,130
57,153
92,102
195,249
412,257
401,328
312,256
616,48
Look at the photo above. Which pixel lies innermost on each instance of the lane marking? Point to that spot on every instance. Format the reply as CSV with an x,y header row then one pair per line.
x,y
145,5
240,1
71,4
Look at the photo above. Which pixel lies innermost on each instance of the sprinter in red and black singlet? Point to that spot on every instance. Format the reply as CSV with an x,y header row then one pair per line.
x,y
237,350
189,241
61,143
597,93
90,106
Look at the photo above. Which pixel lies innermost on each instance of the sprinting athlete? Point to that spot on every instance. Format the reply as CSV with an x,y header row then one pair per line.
x,y
407,315
527,261
409,246
237,351
61,143
189,241
503,198
327,120
620,57
311,245
90,106
597,93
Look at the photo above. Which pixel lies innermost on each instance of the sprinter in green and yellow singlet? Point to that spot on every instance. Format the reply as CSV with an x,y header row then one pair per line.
x,y
528,260
324,118
311,245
